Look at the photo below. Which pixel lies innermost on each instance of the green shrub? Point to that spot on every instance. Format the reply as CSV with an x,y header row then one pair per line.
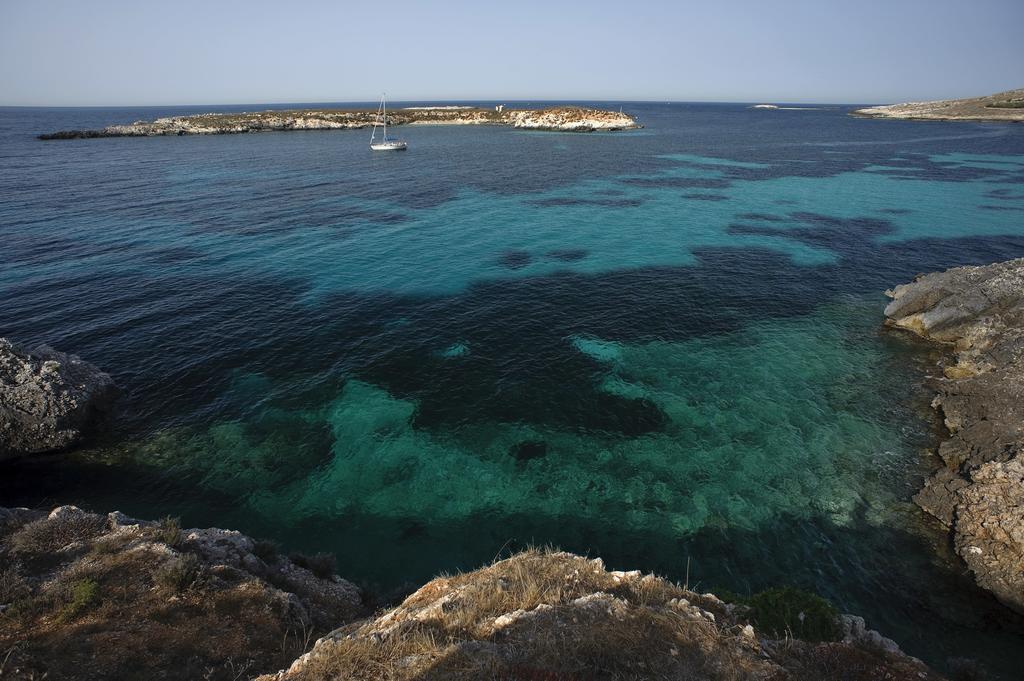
x,y
792,612
85,593
322,565
266,550
180,574
168,530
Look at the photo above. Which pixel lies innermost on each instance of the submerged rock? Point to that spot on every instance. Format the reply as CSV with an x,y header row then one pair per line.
x,y
49,400
979,493
528,450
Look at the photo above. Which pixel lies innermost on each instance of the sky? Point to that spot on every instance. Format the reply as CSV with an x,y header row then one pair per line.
x,y
119,53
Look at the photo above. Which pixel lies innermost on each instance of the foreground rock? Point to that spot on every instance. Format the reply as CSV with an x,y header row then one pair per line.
x,y
979,493
541,615
48,400
87,596
1005,106
570,119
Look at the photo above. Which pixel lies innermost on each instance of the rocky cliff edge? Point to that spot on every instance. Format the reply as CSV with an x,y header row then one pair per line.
x,y
979,491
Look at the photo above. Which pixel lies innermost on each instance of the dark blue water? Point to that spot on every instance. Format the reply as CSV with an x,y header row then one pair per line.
x,y
656,346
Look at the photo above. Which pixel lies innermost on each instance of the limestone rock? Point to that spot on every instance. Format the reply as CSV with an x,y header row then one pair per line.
x,y
539,614
49,400
979,494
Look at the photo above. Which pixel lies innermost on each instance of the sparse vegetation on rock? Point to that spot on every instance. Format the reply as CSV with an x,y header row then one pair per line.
x,y
1004,106
87,596
558,616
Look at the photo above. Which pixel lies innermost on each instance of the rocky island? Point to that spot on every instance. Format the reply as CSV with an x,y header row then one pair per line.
x,y
562,118
979,491
1004,106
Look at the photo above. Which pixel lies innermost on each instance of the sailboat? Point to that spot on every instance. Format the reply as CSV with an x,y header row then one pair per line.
x,y
385,144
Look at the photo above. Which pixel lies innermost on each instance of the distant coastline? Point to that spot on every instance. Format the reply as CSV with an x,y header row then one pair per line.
x,y
559,118
1004,106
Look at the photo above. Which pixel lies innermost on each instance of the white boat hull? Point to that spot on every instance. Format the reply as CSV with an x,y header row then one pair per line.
x,y
388,146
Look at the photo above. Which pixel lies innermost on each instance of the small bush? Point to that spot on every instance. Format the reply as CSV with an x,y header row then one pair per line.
x,y
168,530
12,586
85,593
179,574
266,550
24,610
48,535
792,612
322,565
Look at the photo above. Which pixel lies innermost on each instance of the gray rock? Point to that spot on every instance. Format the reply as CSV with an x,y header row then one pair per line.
x,y
855,631
979,494
938,497
49,400
325,598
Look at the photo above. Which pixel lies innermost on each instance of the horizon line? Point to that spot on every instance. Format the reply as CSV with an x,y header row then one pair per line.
x,y
642,100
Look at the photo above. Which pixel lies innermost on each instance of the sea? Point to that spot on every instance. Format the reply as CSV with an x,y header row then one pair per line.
x,y
664,347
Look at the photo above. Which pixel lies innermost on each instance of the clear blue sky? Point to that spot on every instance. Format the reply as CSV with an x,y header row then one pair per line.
x,y
104,52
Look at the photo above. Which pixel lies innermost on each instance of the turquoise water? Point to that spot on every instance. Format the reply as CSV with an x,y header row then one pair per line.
x,y
663,347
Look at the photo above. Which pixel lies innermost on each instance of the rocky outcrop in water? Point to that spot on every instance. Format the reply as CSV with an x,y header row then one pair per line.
x,y
552,615
49,400
566,118
979,492
1005,106
90,596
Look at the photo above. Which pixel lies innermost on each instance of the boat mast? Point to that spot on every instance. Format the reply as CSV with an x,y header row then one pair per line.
x,y
384,105
373,134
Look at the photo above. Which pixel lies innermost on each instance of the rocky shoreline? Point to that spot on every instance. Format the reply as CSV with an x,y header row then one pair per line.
x,y
89,596
213,603
1002,107
563,119
979,492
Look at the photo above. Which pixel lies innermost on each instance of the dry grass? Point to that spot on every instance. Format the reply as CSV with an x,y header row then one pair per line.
x,y
101,613
50,535
448,630
13,586
547,616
